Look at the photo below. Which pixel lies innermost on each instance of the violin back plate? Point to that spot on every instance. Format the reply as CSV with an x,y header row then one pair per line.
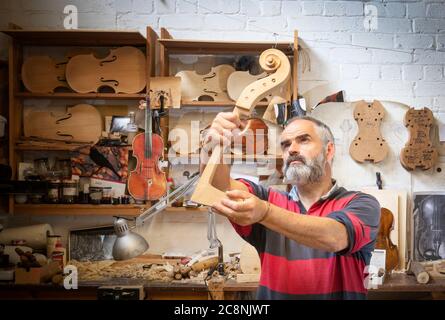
x,y
81,123
123,70
41,74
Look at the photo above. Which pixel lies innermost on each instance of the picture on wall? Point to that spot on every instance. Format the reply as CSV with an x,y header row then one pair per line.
x,y
429,226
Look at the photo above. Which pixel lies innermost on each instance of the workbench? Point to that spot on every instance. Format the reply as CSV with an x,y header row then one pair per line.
x,y
396,286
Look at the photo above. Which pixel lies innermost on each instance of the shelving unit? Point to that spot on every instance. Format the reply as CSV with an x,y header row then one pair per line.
x,y
65,38
94,38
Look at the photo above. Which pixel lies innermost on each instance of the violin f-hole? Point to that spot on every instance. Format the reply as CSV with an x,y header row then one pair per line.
x,y
113,58
114,82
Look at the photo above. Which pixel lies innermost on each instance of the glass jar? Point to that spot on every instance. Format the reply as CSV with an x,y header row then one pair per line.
x,y
54,188
64,168
106,195
69,191
95,195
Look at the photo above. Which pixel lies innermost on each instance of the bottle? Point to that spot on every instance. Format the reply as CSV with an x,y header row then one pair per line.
x,y
54,191
69,191
59,254
132,128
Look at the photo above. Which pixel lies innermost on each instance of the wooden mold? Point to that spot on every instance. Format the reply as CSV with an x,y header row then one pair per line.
x,y
368,144
418,151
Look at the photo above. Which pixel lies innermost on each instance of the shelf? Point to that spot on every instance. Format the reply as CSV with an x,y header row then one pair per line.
x,y
215,104
277,158
73,95
222,47
77,37
90,209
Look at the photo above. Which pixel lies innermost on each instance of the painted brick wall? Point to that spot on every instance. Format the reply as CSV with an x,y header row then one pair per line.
x,y
341,49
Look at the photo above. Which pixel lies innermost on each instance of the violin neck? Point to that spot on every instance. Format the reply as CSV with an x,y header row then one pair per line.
x,y
148,129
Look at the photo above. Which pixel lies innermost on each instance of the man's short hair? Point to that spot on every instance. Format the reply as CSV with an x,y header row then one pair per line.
x,y
324,131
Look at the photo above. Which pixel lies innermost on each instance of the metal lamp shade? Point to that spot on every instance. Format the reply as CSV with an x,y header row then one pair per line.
x,y
128,244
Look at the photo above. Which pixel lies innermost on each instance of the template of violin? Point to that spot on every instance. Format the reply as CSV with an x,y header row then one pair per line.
x,y
238,80
368,144
194,86
277,65
41,74
123,70
419,150
81,123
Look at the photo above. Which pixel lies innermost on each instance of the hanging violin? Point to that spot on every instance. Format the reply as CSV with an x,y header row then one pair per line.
x,y
147,181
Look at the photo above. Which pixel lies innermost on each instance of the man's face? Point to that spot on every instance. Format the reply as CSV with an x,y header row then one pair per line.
x,y
303,153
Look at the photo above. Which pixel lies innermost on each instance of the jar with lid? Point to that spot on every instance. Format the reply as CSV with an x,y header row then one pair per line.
x,y
54,190
106,195
69,191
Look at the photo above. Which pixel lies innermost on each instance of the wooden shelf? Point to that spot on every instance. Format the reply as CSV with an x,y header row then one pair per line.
x,y
90,209
74,95
277,158
77,37
174,46
215,104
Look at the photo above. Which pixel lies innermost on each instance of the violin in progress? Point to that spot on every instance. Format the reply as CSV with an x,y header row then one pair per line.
x,y
147,181
41,74
213,85
384,241
81,123
123,70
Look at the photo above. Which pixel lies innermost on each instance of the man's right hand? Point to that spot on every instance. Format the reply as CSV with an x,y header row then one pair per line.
x,y
220,130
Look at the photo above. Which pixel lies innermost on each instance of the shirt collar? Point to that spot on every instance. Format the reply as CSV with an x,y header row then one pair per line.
x,y
294,192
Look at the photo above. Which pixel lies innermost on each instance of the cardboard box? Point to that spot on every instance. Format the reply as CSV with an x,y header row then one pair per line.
x,y
36,275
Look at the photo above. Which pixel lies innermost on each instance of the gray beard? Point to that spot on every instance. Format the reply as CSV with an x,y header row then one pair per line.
x,y
311,171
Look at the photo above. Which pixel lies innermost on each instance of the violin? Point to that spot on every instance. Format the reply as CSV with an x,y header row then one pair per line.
x,y
122,70
432,228
147,181
383,240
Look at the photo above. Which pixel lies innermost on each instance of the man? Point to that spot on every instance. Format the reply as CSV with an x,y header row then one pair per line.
x,y
314,242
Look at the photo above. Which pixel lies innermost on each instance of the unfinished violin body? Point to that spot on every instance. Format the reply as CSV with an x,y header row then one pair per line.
x,y
418,151
383,240
123,70
81,123
213,85
368,144
41,74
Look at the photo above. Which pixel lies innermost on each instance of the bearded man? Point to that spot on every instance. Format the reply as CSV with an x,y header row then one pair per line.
x,y
315,241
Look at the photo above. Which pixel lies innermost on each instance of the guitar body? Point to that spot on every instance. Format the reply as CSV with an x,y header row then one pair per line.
x,y
147,181
123,70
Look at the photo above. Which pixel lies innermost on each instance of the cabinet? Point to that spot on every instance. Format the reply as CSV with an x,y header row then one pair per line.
x,y
22,40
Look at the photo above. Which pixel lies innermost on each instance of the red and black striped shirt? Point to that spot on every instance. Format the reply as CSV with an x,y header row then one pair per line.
x,y
291,270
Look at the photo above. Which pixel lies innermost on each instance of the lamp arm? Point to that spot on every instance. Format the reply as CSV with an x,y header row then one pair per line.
x,y
165,201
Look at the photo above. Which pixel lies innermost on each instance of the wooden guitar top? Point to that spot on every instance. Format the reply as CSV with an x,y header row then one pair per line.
x,y
419,150
123,70
368,144
81,123
41,74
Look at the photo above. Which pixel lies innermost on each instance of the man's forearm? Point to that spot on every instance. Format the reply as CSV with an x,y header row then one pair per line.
x,y
315,232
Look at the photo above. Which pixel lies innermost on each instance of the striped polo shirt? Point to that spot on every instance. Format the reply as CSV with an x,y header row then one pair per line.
x,y
291,270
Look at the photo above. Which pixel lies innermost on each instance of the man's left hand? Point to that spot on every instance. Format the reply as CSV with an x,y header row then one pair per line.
x,y
242,208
